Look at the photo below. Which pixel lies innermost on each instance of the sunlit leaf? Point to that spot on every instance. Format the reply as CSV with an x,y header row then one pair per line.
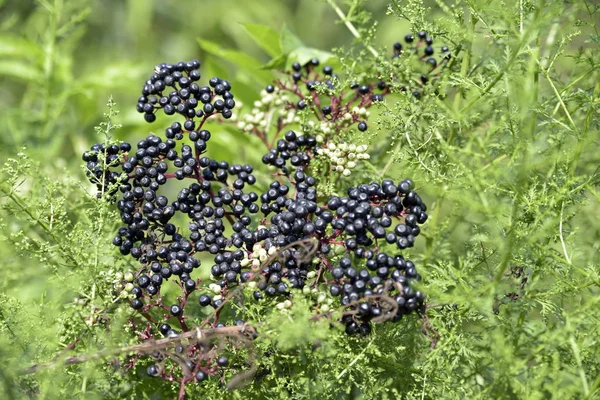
x,y
267,38
238,58
289,41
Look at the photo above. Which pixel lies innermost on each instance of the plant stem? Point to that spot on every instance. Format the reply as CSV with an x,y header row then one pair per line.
x,y
349,25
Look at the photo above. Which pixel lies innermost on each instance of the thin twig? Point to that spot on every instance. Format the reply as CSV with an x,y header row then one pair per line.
x,y
355,359
195,335
560,230
349,25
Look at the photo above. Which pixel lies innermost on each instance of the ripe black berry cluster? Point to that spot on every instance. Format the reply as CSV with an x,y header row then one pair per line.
x,y
315,100
99,159
420,63
186,98
278,239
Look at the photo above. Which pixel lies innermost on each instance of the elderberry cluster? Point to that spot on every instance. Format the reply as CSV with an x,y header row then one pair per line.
x,y
276,238
99,159
418,62
187,97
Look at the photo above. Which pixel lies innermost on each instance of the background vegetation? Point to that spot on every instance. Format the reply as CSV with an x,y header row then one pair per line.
x,y
507,159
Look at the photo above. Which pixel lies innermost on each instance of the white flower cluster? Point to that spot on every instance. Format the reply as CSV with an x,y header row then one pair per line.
x,y
323,300
264,109
258,256
343,157
360,111
321,127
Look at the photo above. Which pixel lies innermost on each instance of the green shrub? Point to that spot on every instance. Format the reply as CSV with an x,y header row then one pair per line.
x,y
503,152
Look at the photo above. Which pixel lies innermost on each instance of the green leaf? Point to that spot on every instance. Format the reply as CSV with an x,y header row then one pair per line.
x,y
238,58
20,70
276,63
267,38
295,50
305,54
289,41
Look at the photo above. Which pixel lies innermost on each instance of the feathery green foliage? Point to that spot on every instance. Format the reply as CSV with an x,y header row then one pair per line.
x,y
506,157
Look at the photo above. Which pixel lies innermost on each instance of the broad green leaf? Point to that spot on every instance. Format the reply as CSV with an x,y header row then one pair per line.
x,y
289,41
276,63
267,38
238,58
20,70
305,54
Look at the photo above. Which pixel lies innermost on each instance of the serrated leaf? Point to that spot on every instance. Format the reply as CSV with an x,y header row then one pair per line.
x,y
238,58
289,41
20,70
265,37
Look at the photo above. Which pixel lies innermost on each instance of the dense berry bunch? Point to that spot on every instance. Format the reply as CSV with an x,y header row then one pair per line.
x,y
99,159
419,62
278,238
186,98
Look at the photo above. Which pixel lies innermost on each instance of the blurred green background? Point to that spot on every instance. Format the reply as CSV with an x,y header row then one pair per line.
x,y
61,60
